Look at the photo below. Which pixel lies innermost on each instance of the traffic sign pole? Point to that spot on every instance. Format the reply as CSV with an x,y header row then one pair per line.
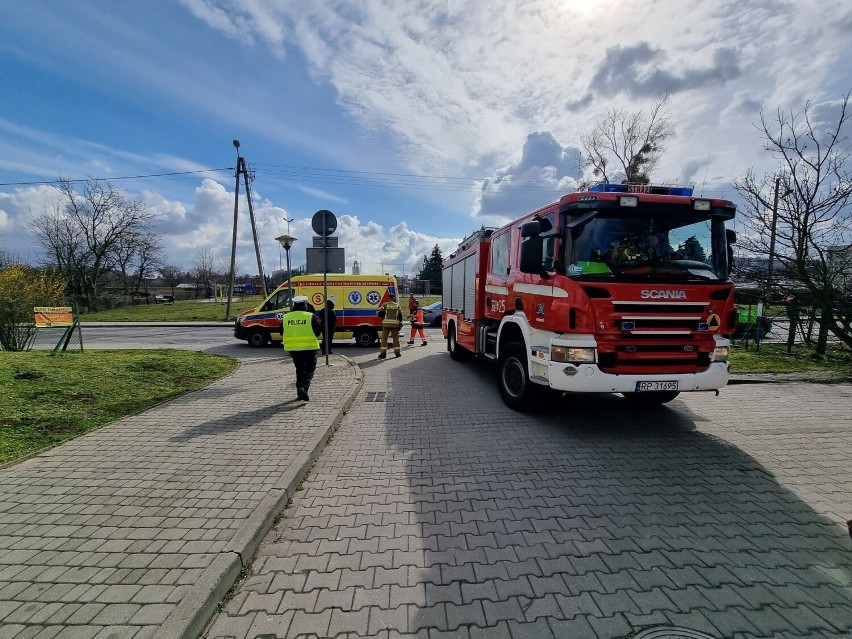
x,y
324,223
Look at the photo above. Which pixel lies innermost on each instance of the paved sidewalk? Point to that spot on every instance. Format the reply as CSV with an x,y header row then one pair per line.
x,y
138,529
588,519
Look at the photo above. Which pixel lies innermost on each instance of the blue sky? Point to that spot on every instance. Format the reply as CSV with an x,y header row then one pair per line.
x,y
414,121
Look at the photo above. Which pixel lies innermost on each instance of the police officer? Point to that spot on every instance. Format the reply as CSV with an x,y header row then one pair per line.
x,y
391,315
300,330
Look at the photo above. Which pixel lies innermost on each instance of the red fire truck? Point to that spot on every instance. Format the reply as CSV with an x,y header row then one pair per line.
x,y
618,289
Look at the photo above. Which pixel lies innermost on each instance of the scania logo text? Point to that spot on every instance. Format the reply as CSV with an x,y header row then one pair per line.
x,y
659,294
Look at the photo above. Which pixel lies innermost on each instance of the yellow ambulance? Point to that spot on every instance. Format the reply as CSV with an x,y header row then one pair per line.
x,y
356,299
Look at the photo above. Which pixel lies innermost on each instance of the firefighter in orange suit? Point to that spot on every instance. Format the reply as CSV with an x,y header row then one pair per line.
x,y
417,324
391,315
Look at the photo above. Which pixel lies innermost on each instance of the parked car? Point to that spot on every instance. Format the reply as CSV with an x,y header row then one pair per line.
x,y
432,313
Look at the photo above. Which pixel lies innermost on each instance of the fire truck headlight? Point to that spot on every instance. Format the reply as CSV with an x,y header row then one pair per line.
x,y
720,354
702,205
574,354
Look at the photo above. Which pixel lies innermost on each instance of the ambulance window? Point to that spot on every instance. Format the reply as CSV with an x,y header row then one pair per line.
x,y
500,254
279,300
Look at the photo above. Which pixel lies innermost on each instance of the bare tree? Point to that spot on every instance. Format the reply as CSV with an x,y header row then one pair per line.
x,y
626,146
172,275
812,186
87,231
208,271
137,255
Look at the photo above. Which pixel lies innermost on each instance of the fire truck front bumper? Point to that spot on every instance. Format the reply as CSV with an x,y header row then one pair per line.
x,y
588,378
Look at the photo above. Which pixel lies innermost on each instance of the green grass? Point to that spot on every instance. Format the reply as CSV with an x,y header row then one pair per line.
x,y
181,311
48,400
773,358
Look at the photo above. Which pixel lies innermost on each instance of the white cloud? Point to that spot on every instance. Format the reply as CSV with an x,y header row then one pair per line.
x,y
461,82
453,89
545,171
207,223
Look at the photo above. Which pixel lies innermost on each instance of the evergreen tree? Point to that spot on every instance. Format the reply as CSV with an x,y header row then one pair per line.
x,y
691,249
431,270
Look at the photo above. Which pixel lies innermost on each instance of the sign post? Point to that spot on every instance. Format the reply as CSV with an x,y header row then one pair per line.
x,y
324,223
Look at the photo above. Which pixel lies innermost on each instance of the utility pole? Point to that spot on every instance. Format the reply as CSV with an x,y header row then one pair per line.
x,y
241,169
242,166
234,241
772,237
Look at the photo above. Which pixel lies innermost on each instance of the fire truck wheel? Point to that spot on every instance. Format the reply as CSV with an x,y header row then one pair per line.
x,y
458,353
513,378
258,338
365,337
649,399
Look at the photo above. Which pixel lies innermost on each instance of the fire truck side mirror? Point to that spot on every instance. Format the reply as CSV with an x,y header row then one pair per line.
x,y
531,254
730,236
531,229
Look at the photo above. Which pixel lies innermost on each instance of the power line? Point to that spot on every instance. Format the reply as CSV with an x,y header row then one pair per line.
x,y
351,178
122,177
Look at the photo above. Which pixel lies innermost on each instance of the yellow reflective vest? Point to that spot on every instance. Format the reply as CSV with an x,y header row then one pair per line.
x,y
298,332
391,315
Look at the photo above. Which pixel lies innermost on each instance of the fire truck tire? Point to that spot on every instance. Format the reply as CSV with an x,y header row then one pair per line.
x,y
458,353
650,399
258,338
365,337
513,379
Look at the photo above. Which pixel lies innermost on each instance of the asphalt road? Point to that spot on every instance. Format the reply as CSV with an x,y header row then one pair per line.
x,y
216,338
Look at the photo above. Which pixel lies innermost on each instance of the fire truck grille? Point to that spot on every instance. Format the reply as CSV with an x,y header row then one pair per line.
x,y
666,308
638,358
660,318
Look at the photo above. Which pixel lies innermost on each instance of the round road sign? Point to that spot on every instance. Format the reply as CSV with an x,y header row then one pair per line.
x,y
324,223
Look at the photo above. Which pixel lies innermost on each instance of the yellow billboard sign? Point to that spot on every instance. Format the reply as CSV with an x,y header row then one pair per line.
x,y
46,316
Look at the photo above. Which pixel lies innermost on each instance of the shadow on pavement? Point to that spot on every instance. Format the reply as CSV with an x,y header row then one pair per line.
x,y
592,518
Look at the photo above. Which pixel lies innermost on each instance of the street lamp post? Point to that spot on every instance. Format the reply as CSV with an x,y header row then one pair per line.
x,y
287,241
288,220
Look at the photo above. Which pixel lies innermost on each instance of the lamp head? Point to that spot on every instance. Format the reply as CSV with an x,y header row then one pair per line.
x,y
286,241
236,143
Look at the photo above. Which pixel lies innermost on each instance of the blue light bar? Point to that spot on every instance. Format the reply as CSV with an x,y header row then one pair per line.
x,y
606,187
680,190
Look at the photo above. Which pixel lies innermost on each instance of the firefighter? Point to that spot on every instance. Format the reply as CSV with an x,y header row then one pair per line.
x,y
417,324
391,315
300,329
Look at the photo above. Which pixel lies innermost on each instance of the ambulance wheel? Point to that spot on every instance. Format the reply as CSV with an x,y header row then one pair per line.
x,y
650,399
258,338
365,337
513,378
458,353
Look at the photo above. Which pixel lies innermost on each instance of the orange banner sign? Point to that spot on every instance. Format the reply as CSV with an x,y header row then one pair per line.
x,y
46,316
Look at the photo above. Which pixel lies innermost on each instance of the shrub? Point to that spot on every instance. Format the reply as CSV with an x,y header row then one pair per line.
x,y
22,288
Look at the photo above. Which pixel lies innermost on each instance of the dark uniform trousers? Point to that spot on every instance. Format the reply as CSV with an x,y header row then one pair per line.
x,y
305,363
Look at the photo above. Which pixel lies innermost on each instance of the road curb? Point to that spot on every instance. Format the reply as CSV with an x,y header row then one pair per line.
x,y
195,610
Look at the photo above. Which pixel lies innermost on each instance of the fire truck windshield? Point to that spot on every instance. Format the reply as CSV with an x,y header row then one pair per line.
x,y
665,247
